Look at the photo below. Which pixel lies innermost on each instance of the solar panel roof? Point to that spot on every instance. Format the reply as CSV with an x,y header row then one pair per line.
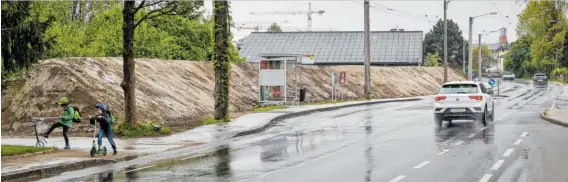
x,y
336,47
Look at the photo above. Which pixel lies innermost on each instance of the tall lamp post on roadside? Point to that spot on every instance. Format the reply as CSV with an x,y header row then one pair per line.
x,y
470,59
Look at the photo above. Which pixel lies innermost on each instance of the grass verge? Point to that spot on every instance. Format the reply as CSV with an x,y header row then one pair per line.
x,y
268,108
212,120
545,113
11,150
149,129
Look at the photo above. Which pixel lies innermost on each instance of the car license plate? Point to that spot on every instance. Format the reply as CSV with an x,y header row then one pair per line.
x,y
458,110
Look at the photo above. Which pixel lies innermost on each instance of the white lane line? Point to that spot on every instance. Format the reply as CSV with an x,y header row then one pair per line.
x,y
459,143
398,178
421,165
524,134
481,129
485,178
444,151
139,168
472,135
518,142
508,152
497,164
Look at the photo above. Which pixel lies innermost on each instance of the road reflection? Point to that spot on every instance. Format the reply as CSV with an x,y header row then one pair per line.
x,y
131,173
274,149
368,146
223,166
466,131
106,176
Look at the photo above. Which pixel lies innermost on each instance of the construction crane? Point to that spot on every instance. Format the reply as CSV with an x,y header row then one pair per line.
x,y
309,13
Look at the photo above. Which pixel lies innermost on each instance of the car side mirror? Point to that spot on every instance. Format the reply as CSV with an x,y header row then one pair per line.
x,y
490,92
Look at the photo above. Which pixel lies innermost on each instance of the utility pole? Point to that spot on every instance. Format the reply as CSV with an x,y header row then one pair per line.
x,y
470,54
309,16
367,51
479,59
463,58
445,42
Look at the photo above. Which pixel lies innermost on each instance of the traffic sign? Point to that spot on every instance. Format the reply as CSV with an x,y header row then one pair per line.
x,y
491,81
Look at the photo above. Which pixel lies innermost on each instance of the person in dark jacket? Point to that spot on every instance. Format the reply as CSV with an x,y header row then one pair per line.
x,y
103,118
65,121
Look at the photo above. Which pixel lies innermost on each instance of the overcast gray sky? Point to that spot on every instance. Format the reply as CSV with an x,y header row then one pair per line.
x,y
408,15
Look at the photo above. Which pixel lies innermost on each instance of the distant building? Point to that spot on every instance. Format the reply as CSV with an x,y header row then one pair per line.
x,y
338,47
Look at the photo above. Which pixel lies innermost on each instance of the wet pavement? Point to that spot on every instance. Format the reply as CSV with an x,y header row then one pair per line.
x,y
383,142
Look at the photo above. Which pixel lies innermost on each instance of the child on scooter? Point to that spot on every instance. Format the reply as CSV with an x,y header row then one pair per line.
x,y
103,117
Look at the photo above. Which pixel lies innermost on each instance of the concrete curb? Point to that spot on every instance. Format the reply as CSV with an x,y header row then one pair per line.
x,y
307,112
552,120
58,168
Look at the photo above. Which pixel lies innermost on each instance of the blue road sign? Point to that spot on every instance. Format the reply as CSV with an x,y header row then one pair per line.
x,y
491,81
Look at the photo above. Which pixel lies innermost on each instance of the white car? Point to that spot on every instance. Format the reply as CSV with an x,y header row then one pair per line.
x,y
464,100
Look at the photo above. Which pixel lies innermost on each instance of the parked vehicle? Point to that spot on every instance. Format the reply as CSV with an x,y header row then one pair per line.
x,y
466,100
540,80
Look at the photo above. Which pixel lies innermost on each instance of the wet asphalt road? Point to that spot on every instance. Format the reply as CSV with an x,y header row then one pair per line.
x,y
385,142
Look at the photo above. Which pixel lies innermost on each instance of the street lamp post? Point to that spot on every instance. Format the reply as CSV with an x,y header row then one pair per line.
x,y
470,59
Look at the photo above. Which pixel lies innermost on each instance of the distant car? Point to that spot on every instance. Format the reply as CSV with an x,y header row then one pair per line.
x,y
466,100
540,80
508,76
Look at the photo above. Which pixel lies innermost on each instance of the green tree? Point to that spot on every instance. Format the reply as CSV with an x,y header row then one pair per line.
x,y
274,28
434,42
488,58
24,41
129,12
518,54
222,59
433,59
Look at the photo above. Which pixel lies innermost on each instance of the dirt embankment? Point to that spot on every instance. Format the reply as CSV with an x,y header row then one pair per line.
x,y
179,93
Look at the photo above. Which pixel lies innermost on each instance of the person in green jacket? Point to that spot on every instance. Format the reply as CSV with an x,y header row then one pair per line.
x,y
65,121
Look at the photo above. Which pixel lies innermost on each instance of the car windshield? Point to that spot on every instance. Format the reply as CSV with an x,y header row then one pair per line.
x,y
508,73
459,89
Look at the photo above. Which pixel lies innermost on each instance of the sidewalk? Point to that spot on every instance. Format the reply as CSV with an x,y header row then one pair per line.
x,y
244,125
558,112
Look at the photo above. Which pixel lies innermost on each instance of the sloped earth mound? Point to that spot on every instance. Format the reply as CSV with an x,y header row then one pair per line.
x,y
179,94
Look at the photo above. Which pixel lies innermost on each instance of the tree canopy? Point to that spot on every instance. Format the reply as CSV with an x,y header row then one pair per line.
x,y
434,42
274,28
542,45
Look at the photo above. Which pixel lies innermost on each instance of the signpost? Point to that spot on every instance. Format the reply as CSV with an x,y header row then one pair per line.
x,y
491,82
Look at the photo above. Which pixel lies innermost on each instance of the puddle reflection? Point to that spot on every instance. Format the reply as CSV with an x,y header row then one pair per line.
x,y
368,146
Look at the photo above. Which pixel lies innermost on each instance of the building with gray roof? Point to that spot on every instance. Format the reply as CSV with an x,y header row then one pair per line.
x,y
338,47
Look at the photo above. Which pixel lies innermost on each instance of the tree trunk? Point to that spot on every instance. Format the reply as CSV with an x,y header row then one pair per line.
x,y
221,59
128,83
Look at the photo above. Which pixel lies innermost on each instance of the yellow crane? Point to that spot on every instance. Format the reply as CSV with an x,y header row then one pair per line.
x,y
309,13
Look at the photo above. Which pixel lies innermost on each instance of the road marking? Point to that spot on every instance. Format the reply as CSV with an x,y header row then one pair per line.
x,y
508,152
472,135
481,129
398,178
421,165
459,143
524,134
518,142
497,164
444,151
485,178
139,169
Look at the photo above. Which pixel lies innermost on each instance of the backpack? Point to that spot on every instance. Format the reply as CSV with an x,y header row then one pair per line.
x,y
76,115
112,119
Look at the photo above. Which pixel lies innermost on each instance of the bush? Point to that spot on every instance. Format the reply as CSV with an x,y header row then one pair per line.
x,y
560,74
10,150
147,129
